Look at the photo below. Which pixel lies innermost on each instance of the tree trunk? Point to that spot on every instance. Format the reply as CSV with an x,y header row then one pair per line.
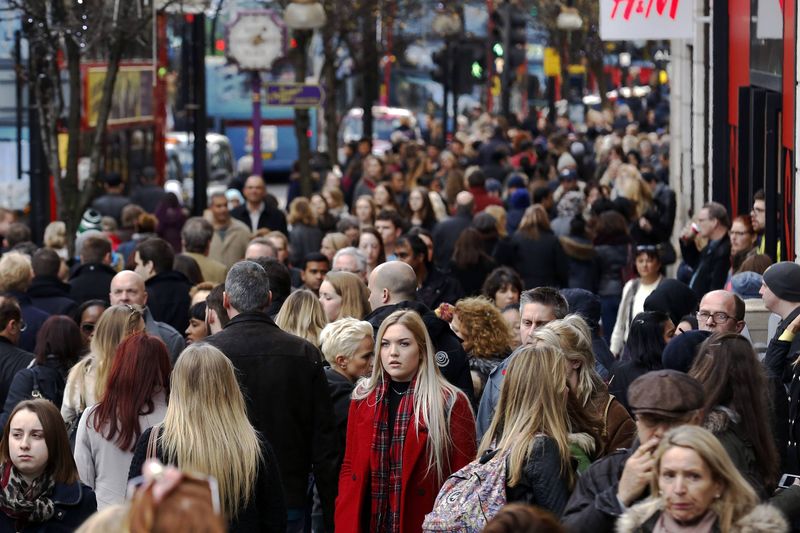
x,y
301,116
369,70
328,82
70,208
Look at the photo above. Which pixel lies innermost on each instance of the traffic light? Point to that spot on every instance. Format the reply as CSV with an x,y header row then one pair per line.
x,y
470,63
509,36
440,69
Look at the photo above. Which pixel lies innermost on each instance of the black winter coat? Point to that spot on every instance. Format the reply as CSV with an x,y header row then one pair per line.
x,y
91,282
471,278
540,262
710,265
51,295
542,484
625,373
450,356
271,218
265,512
611,260
168,298
445,234
288,402
593,506
74,503
49,379
582,263
341,390
12,360
439,288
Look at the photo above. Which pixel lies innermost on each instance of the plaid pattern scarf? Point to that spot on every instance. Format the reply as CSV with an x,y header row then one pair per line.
x,y
386,456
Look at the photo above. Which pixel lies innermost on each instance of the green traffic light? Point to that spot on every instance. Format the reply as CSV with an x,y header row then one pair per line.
x,y
476,70
498,49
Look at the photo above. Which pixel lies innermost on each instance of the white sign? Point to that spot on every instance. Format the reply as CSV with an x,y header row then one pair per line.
x,y
269,138
769,20
626,20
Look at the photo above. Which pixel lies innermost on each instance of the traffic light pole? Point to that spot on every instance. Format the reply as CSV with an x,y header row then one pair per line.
x,y
505,78
446,79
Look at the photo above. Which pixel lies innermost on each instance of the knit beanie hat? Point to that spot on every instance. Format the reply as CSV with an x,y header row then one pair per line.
x,y
681,350
90,220
783,279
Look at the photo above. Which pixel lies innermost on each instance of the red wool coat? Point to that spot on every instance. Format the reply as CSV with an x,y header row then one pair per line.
x,y
419,489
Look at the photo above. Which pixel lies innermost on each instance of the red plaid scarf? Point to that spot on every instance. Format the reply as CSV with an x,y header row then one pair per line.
x,y
386,456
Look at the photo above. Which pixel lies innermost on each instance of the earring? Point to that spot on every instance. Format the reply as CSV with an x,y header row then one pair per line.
x,y
717,496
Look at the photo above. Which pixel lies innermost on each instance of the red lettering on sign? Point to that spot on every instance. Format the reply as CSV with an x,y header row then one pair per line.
x,y
660,5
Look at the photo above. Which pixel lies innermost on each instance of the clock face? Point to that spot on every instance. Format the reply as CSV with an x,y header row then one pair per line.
x,y
255,41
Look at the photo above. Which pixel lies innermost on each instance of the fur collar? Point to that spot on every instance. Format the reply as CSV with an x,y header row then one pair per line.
x,y
762,518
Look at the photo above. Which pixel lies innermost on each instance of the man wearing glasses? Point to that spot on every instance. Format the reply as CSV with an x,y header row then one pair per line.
x,y
721,312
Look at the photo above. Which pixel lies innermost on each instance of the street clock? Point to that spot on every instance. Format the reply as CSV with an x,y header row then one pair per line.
x,y
255,39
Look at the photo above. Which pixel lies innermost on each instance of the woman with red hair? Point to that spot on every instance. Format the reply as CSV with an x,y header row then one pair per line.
x,y
134,400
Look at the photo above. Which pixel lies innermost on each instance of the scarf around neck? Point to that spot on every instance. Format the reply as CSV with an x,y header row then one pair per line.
x,y
386,457
23,500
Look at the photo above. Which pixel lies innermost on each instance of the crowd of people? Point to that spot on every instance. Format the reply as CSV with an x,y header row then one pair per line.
x,y
493,320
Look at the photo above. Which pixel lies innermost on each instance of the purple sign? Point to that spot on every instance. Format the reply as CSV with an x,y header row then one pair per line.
x,y
293,94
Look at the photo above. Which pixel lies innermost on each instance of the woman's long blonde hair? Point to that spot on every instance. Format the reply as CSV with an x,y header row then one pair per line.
x,y
115,324
302,315
572,335
533,402
206,428
737,497
434,396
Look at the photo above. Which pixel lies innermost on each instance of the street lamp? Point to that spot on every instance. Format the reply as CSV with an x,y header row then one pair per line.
x,y
304,15
447,24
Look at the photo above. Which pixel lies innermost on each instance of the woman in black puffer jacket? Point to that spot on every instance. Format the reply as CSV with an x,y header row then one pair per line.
x,y
611,246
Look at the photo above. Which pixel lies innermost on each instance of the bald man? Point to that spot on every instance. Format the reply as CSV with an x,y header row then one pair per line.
x,y
446,233
721,311
127,287
393,286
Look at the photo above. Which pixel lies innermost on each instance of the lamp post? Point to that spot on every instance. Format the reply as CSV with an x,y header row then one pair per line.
x,y
568,20
447,24
303,17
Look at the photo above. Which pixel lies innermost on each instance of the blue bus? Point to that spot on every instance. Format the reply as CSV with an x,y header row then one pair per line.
x,y
229,107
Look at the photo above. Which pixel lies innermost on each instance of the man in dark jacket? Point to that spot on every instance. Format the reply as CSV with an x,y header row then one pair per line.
x,y
167,289
46,291
92,279
660,400
434,287
15,278
392,286
710,266
111,203
12,359
257,212
149,193
447,232
282,379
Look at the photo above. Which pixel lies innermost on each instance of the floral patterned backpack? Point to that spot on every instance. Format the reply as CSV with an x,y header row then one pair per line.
x,y
470,497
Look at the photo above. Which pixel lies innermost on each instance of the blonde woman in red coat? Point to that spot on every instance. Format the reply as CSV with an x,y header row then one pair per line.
x,y
407,431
